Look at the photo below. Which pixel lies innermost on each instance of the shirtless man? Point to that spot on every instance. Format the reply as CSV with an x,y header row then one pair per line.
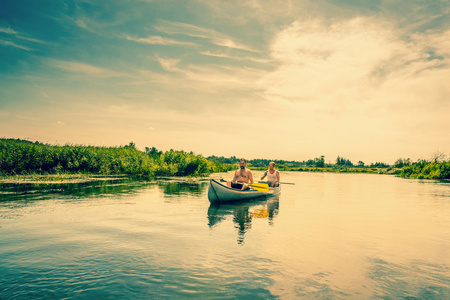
x,y
242,177
273,176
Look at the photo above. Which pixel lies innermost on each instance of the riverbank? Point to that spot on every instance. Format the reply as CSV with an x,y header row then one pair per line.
x,y
340,169
20,157
427,170
50,163
58,178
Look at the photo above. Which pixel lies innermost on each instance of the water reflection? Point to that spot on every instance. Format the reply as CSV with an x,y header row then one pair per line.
x,y
180,188
243,214
97,188
41,191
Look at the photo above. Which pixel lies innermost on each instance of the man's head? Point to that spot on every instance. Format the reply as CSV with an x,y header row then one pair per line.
x,y
271,165
242,163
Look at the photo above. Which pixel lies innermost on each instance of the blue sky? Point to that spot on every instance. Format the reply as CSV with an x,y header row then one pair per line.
x,y
366,80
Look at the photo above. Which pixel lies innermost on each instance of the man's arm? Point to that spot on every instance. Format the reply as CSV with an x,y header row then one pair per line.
x,y
250,177
265,173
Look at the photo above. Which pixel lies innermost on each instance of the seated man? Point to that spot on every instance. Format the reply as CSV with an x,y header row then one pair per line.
x,y
273,176
242,177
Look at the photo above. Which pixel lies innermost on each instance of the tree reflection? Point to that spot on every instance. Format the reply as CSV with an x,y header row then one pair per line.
x,y
97,187
177,188
243,214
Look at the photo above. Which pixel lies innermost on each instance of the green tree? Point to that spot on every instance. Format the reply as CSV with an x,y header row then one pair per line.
x,y
402,162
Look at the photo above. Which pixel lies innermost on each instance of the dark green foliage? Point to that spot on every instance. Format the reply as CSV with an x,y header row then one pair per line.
x,y
402,162
379,165
340,161
427,170
24,157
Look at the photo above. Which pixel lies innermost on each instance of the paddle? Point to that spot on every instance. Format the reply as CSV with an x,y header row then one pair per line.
x,y
262,187
259,186
279,182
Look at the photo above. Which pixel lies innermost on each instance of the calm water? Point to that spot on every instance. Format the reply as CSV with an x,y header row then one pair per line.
x,y
330,236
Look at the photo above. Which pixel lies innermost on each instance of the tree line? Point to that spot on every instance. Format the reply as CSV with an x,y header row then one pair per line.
x,y
25,157
436,168
318,162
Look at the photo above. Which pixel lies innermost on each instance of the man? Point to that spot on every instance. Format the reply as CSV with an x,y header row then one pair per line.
x,y
273,176
242,177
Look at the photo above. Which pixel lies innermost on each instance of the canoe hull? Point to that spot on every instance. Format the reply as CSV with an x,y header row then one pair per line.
x,y
219,193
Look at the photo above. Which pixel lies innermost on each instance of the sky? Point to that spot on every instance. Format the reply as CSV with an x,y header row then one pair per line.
x,y
365,80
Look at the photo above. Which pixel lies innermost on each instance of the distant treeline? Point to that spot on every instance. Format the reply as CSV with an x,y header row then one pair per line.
x,y
318,162
25,157
402,167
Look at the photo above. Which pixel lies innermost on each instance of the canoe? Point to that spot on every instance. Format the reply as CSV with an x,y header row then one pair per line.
x,y
220,193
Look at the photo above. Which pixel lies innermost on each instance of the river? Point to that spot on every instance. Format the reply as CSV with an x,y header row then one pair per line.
x,y
329,236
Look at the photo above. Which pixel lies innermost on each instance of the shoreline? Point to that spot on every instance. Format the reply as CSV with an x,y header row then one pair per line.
x,y
82,178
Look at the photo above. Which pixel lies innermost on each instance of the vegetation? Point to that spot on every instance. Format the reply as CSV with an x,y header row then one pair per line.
x,y
340,161
25,157
402,167
427,170
21,157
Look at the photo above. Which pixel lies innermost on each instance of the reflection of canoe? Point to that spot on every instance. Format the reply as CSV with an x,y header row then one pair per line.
x,y
243,213
219,193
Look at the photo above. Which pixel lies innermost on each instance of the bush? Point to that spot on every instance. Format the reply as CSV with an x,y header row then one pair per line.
x,y
427,170
24,157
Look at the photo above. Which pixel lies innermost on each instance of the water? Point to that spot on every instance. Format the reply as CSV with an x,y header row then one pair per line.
x,y
330,236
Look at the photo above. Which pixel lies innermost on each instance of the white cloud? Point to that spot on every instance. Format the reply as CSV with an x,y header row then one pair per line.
x,y
13,44
8,30
345,61
158,40
85,69
363,81
168,64
15,39
235,57
216,37
318,61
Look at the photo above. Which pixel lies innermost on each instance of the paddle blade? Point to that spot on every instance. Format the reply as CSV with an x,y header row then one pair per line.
x,y
262,187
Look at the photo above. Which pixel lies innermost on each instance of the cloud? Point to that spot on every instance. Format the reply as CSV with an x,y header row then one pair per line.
x,y
13,44
158,40
235,57
363,80
168,64
8,30
15,39
264,11
346,60
216,37
87,69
